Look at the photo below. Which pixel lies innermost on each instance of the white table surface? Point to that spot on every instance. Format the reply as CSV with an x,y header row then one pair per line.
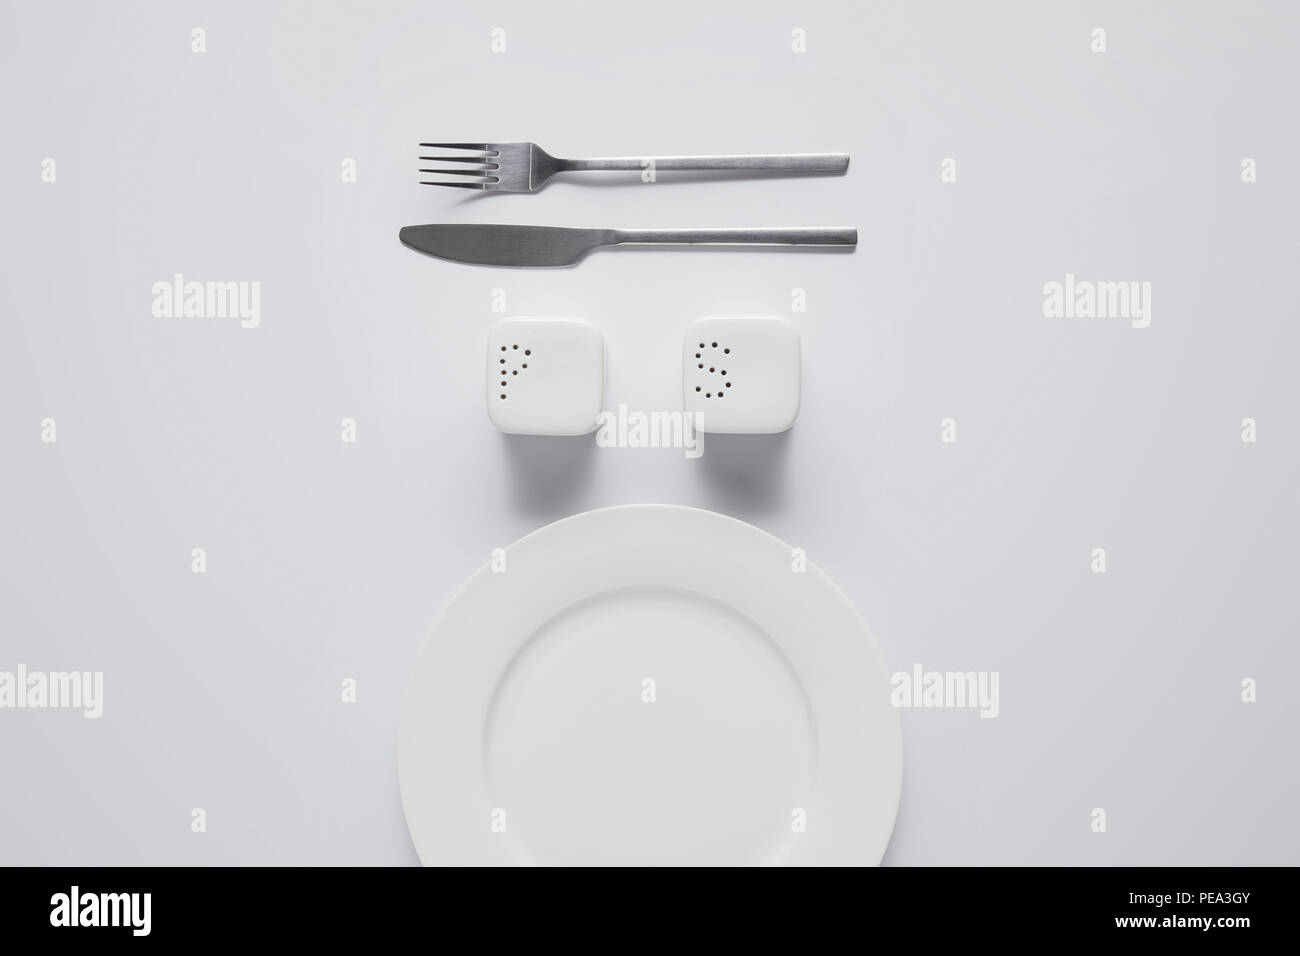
x,y
328,561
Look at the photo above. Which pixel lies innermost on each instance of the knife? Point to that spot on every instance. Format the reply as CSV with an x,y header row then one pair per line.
x,y
502,245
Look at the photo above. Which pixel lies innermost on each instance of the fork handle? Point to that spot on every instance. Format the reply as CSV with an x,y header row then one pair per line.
x,y
795,236
805,162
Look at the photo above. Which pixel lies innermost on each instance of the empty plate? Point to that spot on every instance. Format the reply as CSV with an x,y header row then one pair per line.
x,y
650,685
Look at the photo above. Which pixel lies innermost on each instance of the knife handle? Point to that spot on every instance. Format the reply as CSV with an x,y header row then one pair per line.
x,y
794,236
795,162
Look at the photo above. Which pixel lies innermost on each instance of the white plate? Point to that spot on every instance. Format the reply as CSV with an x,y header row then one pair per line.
x,y
650,684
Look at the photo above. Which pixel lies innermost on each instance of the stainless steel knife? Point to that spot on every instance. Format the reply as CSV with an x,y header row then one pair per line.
x,y
502,245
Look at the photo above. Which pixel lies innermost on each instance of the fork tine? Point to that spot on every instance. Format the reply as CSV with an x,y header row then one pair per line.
x,y
477,160
460,185
457,172
481,147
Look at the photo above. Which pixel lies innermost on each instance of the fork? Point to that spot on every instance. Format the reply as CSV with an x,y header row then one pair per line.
x,y
525,167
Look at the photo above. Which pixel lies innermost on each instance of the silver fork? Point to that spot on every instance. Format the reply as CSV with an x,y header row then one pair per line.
x,y
525,167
